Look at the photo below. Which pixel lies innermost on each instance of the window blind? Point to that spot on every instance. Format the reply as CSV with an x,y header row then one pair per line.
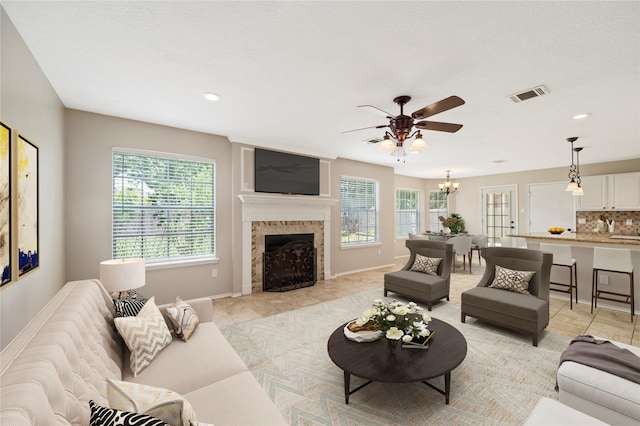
x,y
163,207
407,212
359,210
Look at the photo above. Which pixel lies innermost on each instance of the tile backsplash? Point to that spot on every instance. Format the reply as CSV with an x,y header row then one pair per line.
x,y
620,218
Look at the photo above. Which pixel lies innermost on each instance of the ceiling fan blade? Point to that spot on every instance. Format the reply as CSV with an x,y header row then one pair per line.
x,y
438,126
377,110
364,128
438,107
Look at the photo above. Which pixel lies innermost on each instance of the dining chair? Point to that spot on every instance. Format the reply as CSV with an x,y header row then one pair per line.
x,y
461,245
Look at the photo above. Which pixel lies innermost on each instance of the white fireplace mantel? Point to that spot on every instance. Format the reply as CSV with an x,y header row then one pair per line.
x,y
281,208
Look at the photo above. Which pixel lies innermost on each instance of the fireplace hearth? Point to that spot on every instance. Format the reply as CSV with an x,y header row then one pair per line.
x,y
289,262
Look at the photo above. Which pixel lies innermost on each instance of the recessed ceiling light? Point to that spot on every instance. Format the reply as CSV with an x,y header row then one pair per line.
x,y
581,116
212,96
499,161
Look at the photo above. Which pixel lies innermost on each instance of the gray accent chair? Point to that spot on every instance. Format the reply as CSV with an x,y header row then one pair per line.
x,y
417,285
520,312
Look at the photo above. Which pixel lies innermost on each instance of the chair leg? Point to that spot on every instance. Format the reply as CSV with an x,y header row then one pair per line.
x,y
385,292
575,280
534,339
463,317
571,287
633,307
454,261
428,305
594,289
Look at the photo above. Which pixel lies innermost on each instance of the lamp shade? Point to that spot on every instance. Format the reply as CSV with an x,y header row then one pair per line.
x,y
122,274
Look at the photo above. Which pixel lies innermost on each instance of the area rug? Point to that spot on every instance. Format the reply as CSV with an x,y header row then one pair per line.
x,y
498,383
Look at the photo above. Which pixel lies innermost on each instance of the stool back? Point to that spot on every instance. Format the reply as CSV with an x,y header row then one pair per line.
x,y
612,259
561,253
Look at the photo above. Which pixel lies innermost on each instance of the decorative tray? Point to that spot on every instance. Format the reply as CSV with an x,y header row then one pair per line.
x,y
361,336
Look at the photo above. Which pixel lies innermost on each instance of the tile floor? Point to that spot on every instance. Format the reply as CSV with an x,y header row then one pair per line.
x,y
607,323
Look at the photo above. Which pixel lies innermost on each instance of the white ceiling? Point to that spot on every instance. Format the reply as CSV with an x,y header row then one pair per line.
x,y
291,74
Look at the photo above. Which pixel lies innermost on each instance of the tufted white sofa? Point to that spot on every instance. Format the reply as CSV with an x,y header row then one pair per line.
x,y
60,361
602,395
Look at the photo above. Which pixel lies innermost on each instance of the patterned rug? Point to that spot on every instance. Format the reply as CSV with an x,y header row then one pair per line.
x,y
498,383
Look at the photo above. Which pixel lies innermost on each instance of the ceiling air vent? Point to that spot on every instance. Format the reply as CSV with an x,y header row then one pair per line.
x,y
528,94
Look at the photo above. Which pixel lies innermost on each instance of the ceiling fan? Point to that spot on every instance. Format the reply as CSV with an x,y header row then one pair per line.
x,y
401,126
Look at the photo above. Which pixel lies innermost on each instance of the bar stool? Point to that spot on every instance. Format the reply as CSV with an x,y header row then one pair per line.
x,y
562,257
517,242
617,261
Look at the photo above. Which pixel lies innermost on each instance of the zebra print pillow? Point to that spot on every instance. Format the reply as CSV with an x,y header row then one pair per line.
x,y
103,416
130,306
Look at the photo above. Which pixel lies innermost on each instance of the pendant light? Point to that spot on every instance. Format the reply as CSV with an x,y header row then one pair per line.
x,y
449,187
578,190
573,185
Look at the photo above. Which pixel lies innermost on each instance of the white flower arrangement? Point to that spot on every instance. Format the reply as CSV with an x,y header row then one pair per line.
x,y
396,320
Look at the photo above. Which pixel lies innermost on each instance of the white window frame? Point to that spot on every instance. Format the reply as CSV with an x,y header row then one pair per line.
x,y
345,219
402,230
204,251
435,225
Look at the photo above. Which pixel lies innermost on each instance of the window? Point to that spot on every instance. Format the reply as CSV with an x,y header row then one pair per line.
x,y
438,206
359,211
407,212
163,207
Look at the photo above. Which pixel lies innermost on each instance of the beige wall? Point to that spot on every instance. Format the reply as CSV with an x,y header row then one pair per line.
x,y
90,139
29,104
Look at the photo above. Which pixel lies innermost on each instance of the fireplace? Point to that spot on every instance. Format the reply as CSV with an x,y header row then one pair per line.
x,y
289,262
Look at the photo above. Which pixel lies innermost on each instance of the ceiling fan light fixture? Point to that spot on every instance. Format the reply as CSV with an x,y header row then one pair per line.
x,y
418,144
387,144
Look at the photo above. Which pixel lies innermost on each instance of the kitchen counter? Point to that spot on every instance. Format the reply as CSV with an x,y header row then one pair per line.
x,y
583,239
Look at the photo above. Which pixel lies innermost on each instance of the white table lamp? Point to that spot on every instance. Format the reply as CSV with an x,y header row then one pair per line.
x,y
120,275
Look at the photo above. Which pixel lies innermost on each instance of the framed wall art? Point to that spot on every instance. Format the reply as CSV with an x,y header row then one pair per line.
x,y
5,205
27,206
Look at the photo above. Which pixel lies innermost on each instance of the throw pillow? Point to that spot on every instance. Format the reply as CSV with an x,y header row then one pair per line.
x,y
145,335
183,318
427,265
103,416
130,306
516,281
163,404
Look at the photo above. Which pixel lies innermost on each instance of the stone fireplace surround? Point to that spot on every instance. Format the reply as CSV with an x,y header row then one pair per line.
x,y
279,214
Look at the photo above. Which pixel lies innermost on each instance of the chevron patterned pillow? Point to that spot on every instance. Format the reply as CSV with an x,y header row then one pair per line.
x,y
427,265
103,416
145,335
163,404
516,281
183,318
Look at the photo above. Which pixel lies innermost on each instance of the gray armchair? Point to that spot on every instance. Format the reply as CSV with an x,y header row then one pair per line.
x,y
418,285
528,313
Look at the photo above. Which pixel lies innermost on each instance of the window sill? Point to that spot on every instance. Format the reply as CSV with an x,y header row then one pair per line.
x,y
357,246
181,263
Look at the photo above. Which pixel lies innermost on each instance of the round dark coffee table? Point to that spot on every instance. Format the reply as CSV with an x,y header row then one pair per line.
x,y
373,362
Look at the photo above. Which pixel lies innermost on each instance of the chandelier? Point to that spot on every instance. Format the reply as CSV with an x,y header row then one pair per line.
x,y
574,170
448,187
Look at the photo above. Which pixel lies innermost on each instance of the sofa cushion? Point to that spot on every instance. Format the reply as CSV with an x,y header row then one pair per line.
x,y
184,366
252,408
145,335
160,403
507,303
104,416
183,318
424,264
511,280
416,281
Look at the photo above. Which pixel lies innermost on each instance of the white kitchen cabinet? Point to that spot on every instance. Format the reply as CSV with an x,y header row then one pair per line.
x,y
610,192
595,193
624,191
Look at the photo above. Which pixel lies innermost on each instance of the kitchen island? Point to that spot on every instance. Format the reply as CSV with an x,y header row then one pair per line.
x,y
582,245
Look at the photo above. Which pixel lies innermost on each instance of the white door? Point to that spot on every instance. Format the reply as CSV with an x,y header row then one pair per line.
x,y
499,212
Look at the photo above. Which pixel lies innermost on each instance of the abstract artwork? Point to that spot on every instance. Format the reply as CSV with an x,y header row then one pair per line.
x,y
5,204
27,206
